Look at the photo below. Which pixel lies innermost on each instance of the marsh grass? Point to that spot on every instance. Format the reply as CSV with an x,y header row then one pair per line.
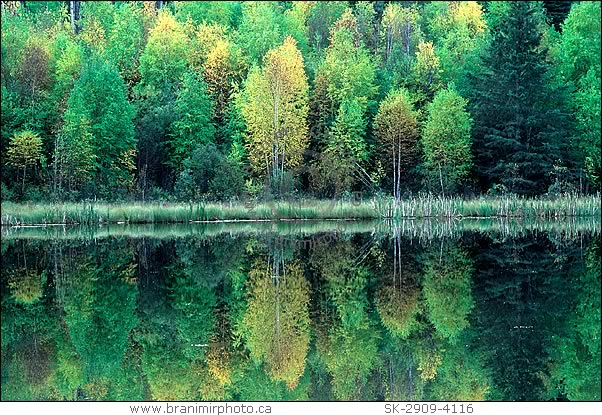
x,y
568,205
87,213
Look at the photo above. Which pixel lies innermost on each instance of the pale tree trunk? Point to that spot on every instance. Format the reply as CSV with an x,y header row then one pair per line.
x,y
398,170
276,127
55,166
74,15
441,180
394,174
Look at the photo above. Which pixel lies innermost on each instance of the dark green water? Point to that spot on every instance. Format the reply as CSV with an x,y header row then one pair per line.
x,y
415,311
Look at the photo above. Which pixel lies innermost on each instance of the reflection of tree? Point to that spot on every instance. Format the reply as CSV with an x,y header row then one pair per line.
x,y
348,341
576,356
419,356
253,384
26,285
350,355
400,376
29,328
447,289
461,376
523,298
397,301
28,355
277,319
99,305
398,308
179,325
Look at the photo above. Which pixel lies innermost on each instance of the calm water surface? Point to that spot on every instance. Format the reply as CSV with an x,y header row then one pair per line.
x,y
314,311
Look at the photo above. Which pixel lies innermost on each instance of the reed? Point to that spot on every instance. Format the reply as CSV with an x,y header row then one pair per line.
x,y
90,213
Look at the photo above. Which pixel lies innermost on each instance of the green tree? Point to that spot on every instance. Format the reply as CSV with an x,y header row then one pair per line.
x,y
74,157
208,173
457,30
345,151
348,71
193,125
227,13
396,129
344,94
322,15
99,99
260,29
125,41
446,139
578,67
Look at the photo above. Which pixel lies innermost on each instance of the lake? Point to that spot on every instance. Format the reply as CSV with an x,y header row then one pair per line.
x,y
411,310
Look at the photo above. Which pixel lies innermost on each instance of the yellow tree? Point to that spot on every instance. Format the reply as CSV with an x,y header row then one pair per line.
x,y
275,105
24,150
204,40
222,70
427,69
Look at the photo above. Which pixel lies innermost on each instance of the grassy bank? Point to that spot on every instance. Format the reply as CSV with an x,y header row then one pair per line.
x,y
421,207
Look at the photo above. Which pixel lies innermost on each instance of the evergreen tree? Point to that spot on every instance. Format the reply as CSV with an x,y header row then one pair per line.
x,y
521,125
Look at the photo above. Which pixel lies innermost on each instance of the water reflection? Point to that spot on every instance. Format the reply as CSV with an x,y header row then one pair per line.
x,y
369,312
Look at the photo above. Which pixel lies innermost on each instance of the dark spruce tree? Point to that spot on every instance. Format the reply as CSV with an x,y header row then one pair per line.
x,y
521,122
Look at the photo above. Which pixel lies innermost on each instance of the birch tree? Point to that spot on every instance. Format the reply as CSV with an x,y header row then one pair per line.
x,y
274,105
396,129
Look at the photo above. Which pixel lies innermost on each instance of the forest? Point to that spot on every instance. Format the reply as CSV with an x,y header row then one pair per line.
x,y
224,101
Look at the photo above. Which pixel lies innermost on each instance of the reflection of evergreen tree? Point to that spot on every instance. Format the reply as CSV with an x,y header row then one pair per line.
x,y
522,299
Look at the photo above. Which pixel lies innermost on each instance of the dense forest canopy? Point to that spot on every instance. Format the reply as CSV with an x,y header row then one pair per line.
x,y
226,100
